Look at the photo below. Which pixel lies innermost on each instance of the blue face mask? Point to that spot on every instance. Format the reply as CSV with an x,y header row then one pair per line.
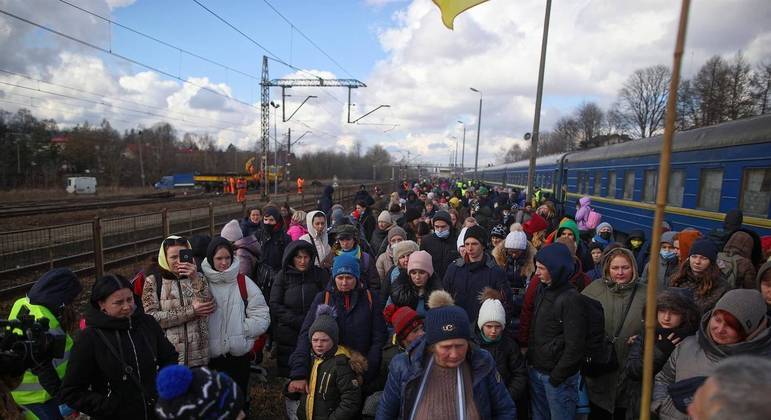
x,y
442,233
667,255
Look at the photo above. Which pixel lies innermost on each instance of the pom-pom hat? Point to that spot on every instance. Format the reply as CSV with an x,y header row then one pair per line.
x,y
444,320
197,393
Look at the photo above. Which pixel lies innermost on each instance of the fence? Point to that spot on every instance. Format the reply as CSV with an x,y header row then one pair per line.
x,y
103,243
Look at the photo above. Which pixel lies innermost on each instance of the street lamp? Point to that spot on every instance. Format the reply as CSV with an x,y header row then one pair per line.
x,y
275,153
463,152
479,127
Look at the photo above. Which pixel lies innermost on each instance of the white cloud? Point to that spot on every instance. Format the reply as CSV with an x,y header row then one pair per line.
x,y
114,4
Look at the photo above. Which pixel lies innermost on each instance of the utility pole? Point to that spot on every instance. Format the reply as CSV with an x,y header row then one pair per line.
x,y
288,150
538,96
479,128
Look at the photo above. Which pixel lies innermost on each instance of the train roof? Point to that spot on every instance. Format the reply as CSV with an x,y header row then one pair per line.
x,y
740,132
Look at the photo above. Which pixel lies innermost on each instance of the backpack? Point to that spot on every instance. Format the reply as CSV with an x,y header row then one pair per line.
x,y
594,219
138,282
327,297
729,268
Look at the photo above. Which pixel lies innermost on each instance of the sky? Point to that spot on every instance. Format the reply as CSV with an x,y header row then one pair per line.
x,y
202,76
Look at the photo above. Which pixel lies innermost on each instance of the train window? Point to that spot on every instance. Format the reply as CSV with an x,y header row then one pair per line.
x,y
676,188
597,183
611,184
649,188
629,185
756,191
710,186
586,182
580,182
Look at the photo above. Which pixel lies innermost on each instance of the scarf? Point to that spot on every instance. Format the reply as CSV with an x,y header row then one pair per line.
x,y
355,252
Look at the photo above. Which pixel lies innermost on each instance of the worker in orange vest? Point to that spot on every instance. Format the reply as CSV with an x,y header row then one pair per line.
x,y
300,182
241,188
232,182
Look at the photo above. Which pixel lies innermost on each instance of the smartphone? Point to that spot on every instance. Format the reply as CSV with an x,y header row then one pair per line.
x,y
186,255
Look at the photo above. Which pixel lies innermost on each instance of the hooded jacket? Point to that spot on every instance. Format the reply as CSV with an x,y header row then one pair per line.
x,y
248,227
465,281
599,239
698,355
296,230
518,271
739,247
337,390
233,328
319,241
290,299
95,383
607,390
510,364
491,397
325,201
443,250
273,239
247,250
582,214
378,236
582,251
557,333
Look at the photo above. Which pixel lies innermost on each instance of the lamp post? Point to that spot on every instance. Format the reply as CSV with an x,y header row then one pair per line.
x,y
479,128
275,153
463,152
455,156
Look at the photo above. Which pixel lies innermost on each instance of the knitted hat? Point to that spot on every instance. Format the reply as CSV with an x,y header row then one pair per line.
x,y
444,320
404,319
396,231
477,232
516,240
443,216
346,264
499,231
705,248
345,231
411,214
420,260
668,237
733,219
325,322
402,248
55,288
385,216
197,393
491,309
232,231
746,305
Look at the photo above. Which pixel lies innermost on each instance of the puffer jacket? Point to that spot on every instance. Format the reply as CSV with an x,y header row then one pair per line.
x,y
510,364
320,242
739,246
698,355
337,386
491,397
233,328
296,231
248,252
384,263
404,292
606,390
443,251
582,214
290,299
174,312
95,382
465,281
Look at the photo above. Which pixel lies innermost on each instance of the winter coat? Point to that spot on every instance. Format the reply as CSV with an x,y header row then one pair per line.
x,y
290,299
233,328
404,292
606,390
248,227
689,280
368,223
325,201
517,271
385,262
510,364
667,268
443,251
336,389
698,355
188,332
582,250
465,281
248,253
321,242
95,382
361,328
296,231
739,246
491,397
378,237
582,214
272,243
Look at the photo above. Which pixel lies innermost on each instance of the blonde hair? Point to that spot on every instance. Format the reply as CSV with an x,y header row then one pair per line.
x,y
299,217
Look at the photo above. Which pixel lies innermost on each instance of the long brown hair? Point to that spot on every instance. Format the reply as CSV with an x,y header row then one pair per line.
x,y
706,281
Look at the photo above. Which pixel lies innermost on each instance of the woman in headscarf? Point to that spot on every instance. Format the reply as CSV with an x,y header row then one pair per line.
x,y
316,222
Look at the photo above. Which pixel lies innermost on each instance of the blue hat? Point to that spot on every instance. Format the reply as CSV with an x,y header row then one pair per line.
x,y
705,248
346,264
445,321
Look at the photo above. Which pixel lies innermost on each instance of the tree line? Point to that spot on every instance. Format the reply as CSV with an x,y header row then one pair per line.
x,y
721,90
40,154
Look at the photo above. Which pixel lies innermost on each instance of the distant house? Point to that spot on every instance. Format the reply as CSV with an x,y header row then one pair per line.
x,y
59,141
605,140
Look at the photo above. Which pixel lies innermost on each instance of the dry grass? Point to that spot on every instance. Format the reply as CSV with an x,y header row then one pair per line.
x,y
60,193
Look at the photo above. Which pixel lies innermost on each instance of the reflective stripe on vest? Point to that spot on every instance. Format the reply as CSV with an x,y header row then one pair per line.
x,y
30,391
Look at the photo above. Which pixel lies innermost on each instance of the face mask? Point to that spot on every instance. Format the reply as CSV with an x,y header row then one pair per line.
x,y
605,235
636,243
443,234
667,255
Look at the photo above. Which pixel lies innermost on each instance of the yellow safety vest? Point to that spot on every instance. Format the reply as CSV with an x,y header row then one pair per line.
x,y
30,391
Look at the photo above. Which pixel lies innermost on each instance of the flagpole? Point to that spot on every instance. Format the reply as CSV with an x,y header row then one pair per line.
x,y
661,200
538,97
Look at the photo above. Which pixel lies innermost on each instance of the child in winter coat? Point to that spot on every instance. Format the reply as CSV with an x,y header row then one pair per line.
x,y
504,349
335,376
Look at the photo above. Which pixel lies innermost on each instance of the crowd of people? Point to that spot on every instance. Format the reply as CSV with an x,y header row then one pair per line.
x,y
443,299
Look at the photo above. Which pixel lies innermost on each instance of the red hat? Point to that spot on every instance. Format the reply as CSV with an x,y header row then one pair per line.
x,y
535,224
404,319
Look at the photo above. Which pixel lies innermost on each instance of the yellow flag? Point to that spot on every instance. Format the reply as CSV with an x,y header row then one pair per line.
x,y
452,8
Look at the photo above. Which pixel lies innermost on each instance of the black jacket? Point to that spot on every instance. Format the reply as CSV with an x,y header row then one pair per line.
x,y
290,298
443,251
95,383
325,201
368,223
557,340
338,391
404,293
378,241
465,281
510,364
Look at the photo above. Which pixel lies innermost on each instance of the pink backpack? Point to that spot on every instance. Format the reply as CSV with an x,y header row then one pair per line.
x,y
593,220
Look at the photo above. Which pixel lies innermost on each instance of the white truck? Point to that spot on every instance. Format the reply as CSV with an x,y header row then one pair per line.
x,y
81,185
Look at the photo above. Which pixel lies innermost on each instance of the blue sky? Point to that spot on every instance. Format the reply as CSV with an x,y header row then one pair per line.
x,y
399,48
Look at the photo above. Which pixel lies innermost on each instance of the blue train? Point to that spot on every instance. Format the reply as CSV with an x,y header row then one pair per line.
x,y
714,169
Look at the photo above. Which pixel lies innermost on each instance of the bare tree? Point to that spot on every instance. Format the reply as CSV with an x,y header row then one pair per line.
x,y
739,96
567,131
642,99
590,119
760,83
515,153
711,89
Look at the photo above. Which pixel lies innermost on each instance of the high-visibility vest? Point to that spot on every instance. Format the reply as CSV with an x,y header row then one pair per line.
x,y
30,391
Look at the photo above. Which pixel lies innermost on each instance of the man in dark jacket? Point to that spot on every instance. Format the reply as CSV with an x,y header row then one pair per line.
x,y
366,220
325,202
468,276
557,336
731,223
363,195
441,243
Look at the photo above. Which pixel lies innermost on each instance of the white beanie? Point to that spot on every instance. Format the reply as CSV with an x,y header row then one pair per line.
x,y
491,311
232,231
461,237
516,240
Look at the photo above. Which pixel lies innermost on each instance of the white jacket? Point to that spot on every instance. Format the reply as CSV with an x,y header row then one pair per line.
x,y
230,329
321,242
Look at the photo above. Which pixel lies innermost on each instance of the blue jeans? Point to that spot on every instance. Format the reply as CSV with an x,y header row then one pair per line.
x,y
552,403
